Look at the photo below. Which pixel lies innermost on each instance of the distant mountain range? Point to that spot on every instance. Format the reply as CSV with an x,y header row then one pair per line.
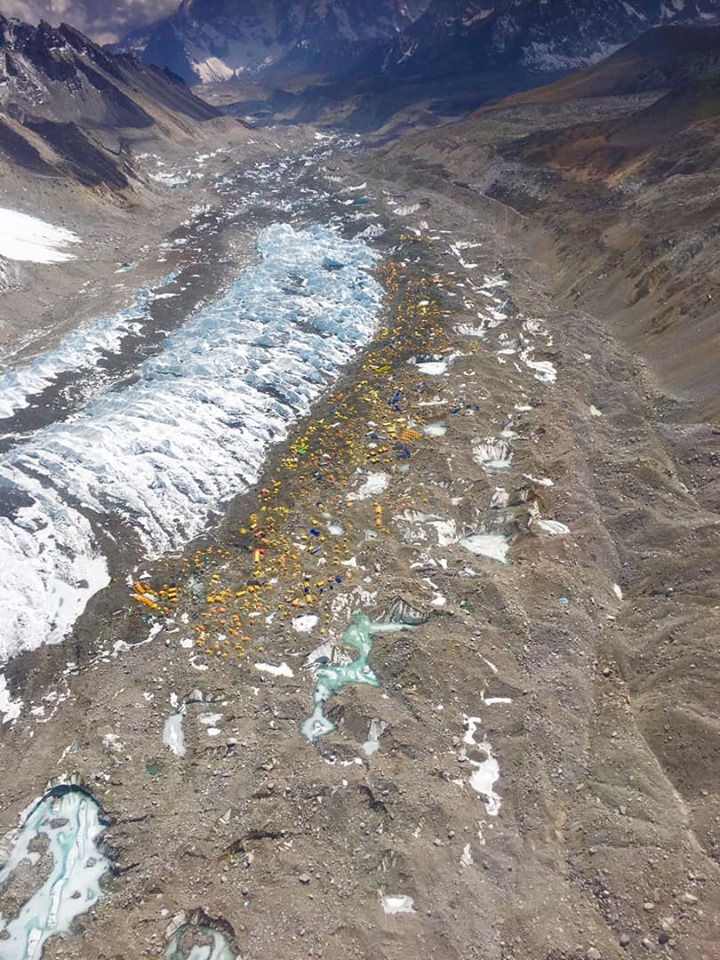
x,y
461,36
70,109
213,40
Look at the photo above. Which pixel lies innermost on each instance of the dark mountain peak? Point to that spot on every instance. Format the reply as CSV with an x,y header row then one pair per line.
x,y
66,104
80,43
53,50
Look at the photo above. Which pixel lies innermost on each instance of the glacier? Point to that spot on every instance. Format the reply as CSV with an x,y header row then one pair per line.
x,y
79,351
163,453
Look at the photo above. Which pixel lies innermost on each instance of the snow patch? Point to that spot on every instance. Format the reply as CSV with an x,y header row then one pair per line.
x,y
374,484
466,858
492,545
10,709
173,736
486,771
492,454
282,671
543,370
397,904
371,745
434,429
28,239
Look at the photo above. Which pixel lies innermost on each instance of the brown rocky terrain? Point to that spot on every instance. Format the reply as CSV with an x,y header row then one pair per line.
x,y
615,171
544,785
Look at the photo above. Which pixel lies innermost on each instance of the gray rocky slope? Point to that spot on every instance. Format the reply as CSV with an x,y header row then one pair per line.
x,y
69,109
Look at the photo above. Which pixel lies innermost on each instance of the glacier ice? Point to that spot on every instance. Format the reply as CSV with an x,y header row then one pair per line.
x,y
165,452
80,350
51,565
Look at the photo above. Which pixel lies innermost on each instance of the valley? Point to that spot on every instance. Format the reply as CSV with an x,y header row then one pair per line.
x,y
359,538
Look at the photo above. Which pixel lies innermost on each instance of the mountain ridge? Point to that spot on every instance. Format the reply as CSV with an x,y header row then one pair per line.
x,y
68,108
209,40
206,41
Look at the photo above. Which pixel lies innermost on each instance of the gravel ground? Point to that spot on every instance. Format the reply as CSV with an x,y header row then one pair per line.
x,y
544,782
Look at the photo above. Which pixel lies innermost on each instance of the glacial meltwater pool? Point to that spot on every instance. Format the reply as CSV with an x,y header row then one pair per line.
x,y
330,679
52,872
192,942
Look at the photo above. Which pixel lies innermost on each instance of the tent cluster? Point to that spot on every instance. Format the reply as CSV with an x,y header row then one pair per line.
x,y
294,552
156,600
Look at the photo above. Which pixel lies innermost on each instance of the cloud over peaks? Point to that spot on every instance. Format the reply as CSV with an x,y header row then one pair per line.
x,y
103,20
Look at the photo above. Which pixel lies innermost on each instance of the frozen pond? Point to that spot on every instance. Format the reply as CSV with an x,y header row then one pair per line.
x,y
330,679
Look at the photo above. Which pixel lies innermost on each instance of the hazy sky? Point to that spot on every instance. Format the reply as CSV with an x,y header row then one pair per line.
x,y
103,20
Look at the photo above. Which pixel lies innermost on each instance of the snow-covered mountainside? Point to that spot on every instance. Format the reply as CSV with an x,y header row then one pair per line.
x,y
66,105
476,35
215,40
211,40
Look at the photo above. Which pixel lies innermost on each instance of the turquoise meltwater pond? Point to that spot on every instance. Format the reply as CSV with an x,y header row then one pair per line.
x,y
57,851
